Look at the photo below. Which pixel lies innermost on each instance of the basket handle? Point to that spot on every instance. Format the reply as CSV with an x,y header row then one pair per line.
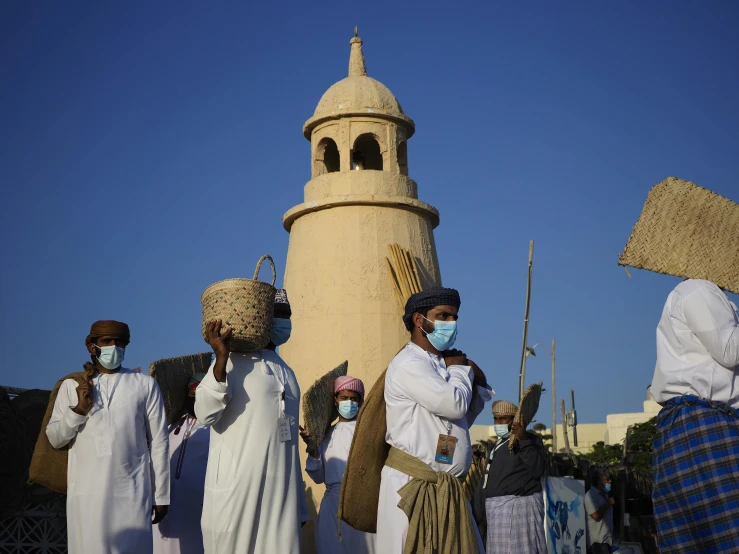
x,y
259,266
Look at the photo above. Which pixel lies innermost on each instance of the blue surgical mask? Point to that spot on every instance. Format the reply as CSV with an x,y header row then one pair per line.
x,y
348,409
111,357
607,487
444,334
281,331
502,430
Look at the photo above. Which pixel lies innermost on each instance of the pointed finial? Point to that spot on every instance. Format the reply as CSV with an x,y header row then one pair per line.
x,y
356,58
356,31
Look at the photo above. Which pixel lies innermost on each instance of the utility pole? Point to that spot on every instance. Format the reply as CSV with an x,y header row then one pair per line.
x,y
522,374
574,417
554,406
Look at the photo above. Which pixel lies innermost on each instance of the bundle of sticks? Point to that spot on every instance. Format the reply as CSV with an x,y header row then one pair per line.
x,y
404,271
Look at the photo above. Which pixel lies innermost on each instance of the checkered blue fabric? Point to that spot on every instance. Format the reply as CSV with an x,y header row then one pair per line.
x,y
515,525
696,484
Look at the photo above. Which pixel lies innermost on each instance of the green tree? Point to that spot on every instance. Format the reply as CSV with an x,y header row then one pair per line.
x,y
539,429
641,439
604,454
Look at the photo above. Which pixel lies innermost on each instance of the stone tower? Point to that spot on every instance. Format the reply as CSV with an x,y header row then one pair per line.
x,y
360,199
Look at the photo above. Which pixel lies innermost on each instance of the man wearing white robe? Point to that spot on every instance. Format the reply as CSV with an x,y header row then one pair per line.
x,y
254,497
327,464
114,481
189,440
428,396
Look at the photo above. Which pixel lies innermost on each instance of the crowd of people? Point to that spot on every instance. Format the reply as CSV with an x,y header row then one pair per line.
x,y
227,477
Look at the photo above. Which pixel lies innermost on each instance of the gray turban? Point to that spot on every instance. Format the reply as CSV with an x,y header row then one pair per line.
x,y
429,298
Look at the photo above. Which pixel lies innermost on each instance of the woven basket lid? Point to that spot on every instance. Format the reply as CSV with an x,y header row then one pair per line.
x,y
686,231
318,406
172,375
527,408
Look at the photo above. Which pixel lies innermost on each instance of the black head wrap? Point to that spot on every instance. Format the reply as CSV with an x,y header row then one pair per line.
x,y
429,298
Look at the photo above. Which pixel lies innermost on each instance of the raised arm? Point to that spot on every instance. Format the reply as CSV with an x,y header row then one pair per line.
x,y
65,422
531,452
709,315
213,395
156,427
418,380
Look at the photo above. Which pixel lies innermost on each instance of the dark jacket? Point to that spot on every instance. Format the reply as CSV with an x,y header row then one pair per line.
x,y
516,473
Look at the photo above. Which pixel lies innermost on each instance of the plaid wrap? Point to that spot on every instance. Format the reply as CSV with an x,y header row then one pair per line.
x,y
515,524
696,484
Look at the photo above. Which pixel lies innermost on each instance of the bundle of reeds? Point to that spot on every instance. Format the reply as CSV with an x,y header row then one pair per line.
x,y
404,272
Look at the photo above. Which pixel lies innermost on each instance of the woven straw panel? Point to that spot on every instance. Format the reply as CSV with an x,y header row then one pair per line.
x,y
172,375
687,231
318,406
526,411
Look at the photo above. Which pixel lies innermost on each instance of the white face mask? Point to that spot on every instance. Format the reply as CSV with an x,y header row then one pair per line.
x,y
111,357
502,430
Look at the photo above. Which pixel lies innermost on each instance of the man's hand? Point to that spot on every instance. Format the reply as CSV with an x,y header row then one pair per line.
x,y
519,429
612,501
218,342
84,398
454,357
159,513
305,435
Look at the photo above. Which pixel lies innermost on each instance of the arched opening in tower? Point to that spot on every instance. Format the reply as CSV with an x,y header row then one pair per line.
x,y
366,153
327,159
403,158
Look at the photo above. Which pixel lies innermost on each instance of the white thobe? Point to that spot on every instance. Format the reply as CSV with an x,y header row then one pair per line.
x,y
113,477
697,345
179,532
254,496
329,468
424,399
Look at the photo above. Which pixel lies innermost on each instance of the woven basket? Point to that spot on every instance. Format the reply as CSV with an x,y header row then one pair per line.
x,y
172,375
245,305
686,231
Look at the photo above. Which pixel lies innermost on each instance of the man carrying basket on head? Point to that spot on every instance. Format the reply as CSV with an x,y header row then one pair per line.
x,y
254,496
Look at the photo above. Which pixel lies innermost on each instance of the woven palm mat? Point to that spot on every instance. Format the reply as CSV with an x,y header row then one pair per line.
x,y
686,231
360,488
527,409
318,406
172,376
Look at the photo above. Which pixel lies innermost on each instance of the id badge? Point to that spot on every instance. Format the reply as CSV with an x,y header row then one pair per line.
x,y
103,447
284,426
445,449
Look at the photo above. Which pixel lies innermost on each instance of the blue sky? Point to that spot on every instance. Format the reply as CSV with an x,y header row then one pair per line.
x,y
150,149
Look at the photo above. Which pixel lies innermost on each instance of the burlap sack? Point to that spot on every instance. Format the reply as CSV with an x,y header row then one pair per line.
x,y
49,465
360,488
318,406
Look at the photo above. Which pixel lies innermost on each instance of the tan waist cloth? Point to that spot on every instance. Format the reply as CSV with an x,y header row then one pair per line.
x,y
439,519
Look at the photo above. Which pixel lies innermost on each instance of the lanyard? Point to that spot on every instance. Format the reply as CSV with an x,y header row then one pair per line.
x,y
281,382
490,461
445,374
189,424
